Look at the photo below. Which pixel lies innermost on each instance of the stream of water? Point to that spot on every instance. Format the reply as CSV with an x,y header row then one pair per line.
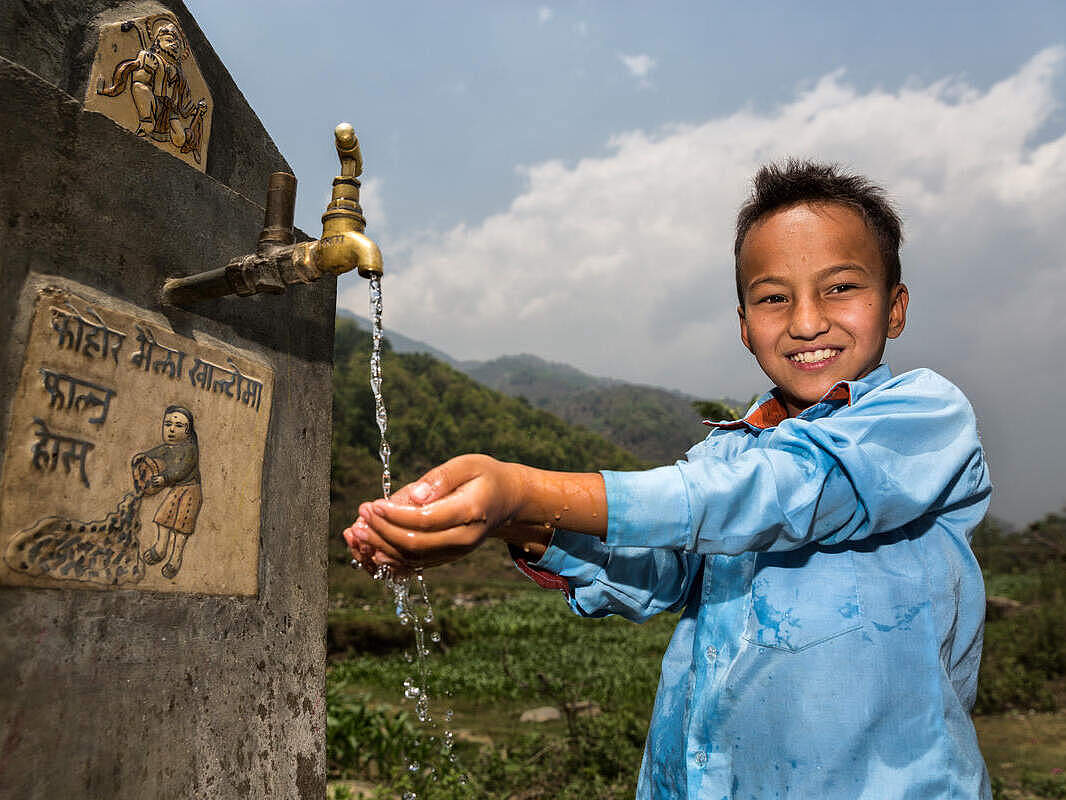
x,y
412,608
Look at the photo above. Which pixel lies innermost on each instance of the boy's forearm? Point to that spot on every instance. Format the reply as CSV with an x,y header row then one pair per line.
x,y
576,501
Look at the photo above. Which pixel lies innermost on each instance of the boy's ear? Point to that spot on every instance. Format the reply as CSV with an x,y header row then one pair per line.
x,y
743,327
897,310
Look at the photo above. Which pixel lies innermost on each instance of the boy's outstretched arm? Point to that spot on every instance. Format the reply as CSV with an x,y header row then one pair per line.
x,y
451,509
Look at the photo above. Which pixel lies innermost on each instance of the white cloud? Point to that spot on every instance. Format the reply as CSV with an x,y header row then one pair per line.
x,y
621,265
639,66
544,14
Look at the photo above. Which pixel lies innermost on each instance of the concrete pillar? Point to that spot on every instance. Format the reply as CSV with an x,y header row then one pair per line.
x,y
164,483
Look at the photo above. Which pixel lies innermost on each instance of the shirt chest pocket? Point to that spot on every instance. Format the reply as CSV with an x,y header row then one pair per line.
x,y
802,597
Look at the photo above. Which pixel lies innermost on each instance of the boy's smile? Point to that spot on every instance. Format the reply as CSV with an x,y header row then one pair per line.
x,y
816,309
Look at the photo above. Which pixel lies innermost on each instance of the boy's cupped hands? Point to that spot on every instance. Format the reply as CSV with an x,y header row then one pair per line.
x,y
453,508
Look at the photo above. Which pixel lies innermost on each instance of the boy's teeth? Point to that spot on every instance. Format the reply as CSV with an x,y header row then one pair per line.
x,y
814,355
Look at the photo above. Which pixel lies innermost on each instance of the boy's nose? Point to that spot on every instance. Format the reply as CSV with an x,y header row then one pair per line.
x,y
808,320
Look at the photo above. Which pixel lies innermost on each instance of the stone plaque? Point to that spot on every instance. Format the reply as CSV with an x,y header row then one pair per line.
x,y
145,78
134,456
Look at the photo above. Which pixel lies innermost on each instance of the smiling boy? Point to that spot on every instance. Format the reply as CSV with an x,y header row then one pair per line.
x,y
818,549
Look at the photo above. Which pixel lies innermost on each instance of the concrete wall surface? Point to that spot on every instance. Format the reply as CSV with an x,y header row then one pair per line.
x,y
125,693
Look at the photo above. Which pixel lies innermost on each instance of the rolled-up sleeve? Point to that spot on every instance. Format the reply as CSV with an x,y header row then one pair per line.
x,y
632,582
905,449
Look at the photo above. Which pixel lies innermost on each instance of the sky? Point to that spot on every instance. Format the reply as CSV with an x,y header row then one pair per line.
x,y
562,179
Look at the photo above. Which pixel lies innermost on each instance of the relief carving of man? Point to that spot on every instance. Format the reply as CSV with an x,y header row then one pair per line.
x,y
161,94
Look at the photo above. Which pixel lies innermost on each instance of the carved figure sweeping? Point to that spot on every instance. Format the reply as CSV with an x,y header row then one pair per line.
x,y
161,94
175,465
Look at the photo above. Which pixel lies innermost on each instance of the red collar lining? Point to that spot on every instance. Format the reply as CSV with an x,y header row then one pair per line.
x,y
772,412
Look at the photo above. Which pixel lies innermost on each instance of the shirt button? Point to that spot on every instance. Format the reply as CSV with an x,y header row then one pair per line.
x,y
701,758
712,654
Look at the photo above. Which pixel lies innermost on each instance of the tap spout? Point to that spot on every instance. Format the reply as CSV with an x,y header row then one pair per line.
x,y
279,261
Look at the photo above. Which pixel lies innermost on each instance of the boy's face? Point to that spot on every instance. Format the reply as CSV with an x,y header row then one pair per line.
x,y
816,306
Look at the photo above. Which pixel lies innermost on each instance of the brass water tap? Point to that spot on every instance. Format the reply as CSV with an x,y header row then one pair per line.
x,y
279,261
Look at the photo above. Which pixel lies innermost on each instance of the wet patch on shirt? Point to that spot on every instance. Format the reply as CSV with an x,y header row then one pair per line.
x,y
905,615
849,609
800,598
776,626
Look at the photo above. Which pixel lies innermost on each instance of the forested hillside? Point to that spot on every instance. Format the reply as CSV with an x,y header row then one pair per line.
x,y
657,425
435,413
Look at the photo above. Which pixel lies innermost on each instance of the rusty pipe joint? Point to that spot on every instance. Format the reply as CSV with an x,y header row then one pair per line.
x,y
279,261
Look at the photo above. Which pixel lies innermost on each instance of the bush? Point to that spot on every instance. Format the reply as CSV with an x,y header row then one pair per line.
x,y
364,739
1025,651
1049,787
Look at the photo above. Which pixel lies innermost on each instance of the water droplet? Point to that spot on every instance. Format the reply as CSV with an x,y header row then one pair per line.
x,y
414,766
428,616
356,563
407,656
449,714
422,708
435,636
405,618
412,795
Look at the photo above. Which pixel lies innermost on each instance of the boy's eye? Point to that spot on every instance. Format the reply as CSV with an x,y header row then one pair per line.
x,y
772,298
843,287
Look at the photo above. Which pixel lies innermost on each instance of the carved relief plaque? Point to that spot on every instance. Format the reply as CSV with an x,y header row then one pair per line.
x,y
145,78
134,457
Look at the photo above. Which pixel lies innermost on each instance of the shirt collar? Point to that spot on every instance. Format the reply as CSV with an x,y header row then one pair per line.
x,y
768,411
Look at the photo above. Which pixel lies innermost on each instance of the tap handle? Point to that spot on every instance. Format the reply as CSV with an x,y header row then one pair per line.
x,y
348,151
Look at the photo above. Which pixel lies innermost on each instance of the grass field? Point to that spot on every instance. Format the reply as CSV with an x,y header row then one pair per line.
x,y
509,647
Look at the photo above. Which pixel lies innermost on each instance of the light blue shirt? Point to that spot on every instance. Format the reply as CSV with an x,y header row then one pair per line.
x,y
833,610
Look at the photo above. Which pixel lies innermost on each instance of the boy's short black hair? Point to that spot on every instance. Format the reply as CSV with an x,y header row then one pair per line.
x,y
776,187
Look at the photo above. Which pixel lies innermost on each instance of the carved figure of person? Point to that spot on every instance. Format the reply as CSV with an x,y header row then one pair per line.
x,y
160,91
173,465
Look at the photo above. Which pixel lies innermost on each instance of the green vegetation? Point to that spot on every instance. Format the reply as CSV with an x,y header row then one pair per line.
x,y
717,409
509,647
655,424
1024,662
521,651
436,413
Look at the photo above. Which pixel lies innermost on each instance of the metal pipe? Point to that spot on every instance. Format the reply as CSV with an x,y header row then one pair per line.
x,y
280,209
203,286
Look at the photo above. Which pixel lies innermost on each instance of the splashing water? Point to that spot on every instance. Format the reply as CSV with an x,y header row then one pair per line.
x,y
400,586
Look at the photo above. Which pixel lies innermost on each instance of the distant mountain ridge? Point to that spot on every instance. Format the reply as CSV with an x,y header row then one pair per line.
x,y
399,342
656,424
